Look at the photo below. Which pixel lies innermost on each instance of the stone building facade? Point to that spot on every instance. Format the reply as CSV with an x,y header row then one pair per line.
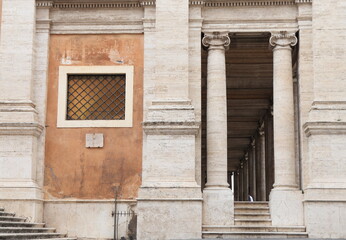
x,y
180,108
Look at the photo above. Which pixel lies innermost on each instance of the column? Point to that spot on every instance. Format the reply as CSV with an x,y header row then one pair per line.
x,y
20,128
246,177
251,175
241,180
253,159
218,198
257,151
285,192
236,188
269,161
284,145
262,163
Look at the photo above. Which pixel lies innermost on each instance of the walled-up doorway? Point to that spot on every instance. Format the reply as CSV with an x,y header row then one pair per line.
x,y
249,74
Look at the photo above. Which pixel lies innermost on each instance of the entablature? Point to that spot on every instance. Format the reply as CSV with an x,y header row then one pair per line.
x,y
144,3
121,16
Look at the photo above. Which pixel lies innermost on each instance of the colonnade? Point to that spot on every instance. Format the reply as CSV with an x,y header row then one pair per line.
x,y
252,178
255,176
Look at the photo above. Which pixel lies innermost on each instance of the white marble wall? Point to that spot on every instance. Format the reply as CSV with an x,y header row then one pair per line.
x,y
20,128
88,219
325,193
169,198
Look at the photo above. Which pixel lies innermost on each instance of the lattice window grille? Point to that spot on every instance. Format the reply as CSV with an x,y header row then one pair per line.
x,y
96,97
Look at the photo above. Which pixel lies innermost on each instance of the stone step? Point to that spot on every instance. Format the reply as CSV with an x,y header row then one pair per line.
x,y
251,216
7,214
251,228
20,224
52,238
25,230
254,234
256,222
251,204
12,219
2,209
30,235
250,209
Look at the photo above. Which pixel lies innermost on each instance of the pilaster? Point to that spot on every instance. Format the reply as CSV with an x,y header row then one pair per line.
x,y
325,126
169,190
20,127
195,69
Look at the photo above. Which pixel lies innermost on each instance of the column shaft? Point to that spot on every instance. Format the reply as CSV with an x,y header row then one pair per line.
x,y
251,175
253,159
262,163
258,169
284,146
269,154
216,115
246,179
241,183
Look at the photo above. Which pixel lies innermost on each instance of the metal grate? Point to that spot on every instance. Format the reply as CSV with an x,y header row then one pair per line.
x,y
96,97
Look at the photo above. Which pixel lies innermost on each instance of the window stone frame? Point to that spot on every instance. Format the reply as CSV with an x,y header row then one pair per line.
x,y
64,71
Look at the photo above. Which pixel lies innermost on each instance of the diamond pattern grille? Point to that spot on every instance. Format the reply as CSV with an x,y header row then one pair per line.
x,y
96,97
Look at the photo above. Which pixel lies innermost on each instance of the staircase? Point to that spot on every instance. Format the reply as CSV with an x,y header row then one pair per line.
x,y
12,227
252,220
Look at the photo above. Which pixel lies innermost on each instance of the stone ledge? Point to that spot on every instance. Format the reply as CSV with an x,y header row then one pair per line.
x,y
324,128
17,106
329,105
171,128
34,129
169,199
325,192
88,201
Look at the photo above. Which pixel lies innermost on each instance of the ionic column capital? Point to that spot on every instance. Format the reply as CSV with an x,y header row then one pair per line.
x,y
283,39
246,157
261,129
253,143
216,40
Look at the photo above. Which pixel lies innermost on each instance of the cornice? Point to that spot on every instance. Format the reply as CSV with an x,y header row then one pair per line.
x,y
249,3
145,3
88,4
44,4
303,1
197,3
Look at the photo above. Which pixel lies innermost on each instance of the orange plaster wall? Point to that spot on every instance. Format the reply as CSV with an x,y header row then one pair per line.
x,y
71,170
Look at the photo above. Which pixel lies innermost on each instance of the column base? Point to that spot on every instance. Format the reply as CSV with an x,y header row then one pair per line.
x,y
325,210
169,213
286,207
25,198
218,206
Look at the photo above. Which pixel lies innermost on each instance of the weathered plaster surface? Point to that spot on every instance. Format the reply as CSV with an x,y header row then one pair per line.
x,y
71,169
